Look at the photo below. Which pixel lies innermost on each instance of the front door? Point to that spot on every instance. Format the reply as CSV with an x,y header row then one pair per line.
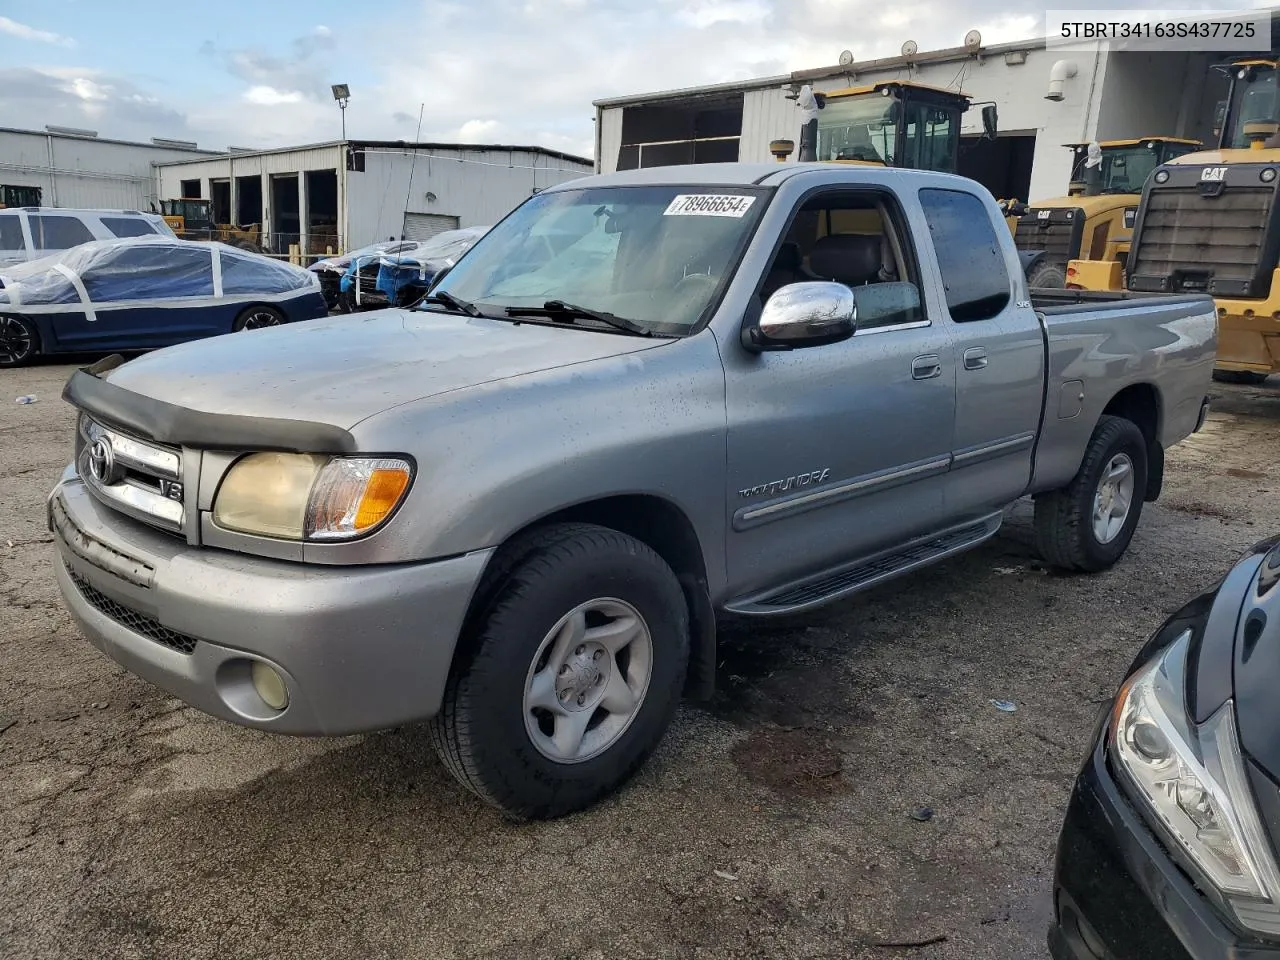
x,y
839,451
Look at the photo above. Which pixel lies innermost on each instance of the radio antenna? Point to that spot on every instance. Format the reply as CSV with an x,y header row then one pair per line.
x,y
412,163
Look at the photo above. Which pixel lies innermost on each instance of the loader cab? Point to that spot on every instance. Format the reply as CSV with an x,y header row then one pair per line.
x,y
1125,165
893,124
1252,104
188,215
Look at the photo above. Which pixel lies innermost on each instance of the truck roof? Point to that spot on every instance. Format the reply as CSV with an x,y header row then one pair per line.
x,y
736,175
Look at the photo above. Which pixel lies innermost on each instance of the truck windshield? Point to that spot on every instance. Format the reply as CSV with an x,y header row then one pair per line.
x,y
659,256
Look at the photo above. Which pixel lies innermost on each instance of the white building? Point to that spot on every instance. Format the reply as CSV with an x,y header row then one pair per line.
x,y
1110,95
347,194
77,168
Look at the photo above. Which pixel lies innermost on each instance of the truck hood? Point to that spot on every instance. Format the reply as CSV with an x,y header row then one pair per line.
x,y
343,370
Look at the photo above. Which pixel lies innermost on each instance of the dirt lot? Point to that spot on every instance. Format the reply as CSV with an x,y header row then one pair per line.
x,y
775,823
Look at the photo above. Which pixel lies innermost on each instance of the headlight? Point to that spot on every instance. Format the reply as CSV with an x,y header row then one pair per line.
x,y
1192,783
295,496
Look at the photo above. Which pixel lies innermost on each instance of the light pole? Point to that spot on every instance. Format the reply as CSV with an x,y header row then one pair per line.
x,y
342,93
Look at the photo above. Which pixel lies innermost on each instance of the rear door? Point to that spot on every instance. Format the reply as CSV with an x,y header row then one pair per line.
x,y
839,451
999,355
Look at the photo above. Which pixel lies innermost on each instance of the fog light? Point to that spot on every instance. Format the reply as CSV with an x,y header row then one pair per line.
x,y
270,686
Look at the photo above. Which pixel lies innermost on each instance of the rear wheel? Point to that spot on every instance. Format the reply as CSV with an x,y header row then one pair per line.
x,y
1087,525
19,342
1047,275
570,675
1251,377
258,316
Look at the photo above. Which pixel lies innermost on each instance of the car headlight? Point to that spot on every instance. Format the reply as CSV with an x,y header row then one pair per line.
x,y
294,496
1191,782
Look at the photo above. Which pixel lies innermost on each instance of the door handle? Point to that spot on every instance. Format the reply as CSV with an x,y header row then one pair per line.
x,y
926,367
975,358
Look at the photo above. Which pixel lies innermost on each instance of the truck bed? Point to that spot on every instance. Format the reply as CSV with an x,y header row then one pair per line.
x,y
1054,301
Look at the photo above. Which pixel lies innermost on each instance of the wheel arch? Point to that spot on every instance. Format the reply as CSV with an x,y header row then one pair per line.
x,y
1141,405
667,530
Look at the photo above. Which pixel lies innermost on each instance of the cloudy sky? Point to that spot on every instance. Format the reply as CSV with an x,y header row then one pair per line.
x,y
257,72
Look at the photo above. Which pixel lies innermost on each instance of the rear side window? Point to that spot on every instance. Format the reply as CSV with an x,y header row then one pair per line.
x,y
58,233
257,274
11,233
128,226
151,272
973,267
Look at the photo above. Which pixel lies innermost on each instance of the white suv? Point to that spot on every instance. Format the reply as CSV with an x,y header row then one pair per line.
x,y
29,233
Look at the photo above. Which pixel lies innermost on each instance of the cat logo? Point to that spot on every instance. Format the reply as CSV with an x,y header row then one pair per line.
x,y
1213,174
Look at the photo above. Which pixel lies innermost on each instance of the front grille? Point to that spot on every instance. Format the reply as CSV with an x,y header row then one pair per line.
x,y
1192,241
140,478
1057,235
149,627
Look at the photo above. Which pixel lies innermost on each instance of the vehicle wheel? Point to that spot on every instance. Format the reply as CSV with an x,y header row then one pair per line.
x,y
19,342
1087,525
1250,377
1044,275
346,301
568,676
258,316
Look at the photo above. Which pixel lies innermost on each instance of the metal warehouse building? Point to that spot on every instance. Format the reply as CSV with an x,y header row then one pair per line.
x,y
350,193
77,168
1104,95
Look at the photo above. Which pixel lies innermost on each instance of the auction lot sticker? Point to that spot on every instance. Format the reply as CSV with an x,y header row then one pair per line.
x,y
709,205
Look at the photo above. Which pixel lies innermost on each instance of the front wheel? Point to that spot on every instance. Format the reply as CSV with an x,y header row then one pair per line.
x,y
258,316
19,342
570,675
1087,525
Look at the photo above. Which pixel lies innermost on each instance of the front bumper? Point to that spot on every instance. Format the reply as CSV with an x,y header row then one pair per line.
x,y
1119,896
359,648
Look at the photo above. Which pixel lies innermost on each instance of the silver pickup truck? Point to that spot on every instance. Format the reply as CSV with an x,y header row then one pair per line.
x,y
642,400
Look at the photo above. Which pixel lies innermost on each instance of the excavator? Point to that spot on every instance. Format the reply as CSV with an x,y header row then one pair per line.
x,y
192,219
1096,216
1209,222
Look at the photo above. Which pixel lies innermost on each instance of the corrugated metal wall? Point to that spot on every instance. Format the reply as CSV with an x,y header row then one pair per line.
x,y
479,187
83,171
766,115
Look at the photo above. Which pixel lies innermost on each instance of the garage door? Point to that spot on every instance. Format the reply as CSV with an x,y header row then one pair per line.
x,y
424,226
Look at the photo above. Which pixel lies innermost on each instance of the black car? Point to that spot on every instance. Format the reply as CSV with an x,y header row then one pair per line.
x,y
1169,845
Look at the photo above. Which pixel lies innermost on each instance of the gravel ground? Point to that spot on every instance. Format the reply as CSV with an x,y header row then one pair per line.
x,y
774,822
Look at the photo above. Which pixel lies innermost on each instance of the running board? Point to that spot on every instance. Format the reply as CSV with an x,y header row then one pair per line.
x,y
842,581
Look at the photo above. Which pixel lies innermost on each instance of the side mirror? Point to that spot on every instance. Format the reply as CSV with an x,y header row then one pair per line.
x,y
806,314
989,121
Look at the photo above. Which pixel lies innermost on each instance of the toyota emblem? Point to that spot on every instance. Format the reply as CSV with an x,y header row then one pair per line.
x,y
102,461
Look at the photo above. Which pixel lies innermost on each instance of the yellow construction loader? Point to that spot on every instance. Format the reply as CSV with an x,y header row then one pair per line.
x,y
1096,217
192,219
1209,223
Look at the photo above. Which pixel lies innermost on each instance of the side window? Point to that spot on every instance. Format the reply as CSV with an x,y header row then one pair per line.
x,y
151,272
974,274
11,233
128,226
58,233
256,274
855,238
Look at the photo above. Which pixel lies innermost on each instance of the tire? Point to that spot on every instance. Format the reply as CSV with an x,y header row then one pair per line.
x,y
19,341
346,302
1046,275
502,746
1250,377
257,316
1067,528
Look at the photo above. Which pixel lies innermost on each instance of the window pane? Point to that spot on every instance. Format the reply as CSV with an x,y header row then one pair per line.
x,y
11,233
973,267
128,226
150,272
246,274
58,233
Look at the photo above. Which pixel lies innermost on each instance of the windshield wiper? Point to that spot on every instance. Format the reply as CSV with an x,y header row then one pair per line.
x,y
568,312
455,303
